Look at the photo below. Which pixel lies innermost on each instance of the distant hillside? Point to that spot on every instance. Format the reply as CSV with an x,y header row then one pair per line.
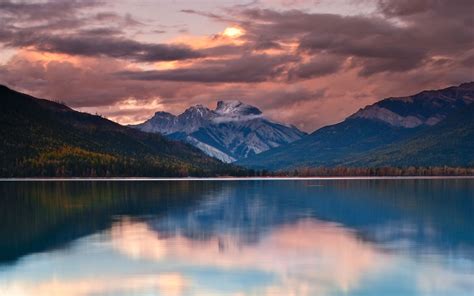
x,y
232,131
391,128
44,138
449,143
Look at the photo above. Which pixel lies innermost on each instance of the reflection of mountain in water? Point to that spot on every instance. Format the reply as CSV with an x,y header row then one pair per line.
x,y
425,213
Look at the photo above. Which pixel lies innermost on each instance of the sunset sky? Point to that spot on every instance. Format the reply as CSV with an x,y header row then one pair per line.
x,y
304,62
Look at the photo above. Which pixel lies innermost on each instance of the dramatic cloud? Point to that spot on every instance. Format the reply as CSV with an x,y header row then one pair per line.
x,y
94,45
407,8
57,27
376,44
38,11
309,63
317,67
247,68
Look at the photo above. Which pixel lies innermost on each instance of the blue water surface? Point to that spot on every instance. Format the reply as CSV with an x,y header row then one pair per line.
x,y
237,237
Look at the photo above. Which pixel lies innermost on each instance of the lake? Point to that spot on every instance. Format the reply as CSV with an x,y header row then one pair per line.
x,y
248,237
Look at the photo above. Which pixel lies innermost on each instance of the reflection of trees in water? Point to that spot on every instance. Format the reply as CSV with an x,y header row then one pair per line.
x,y
426,213
435,211
37,216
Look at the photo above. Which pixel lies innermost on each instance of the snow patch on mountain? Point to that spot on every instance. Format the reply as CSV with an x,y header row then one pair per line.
x,y
236,108
210,150
232,131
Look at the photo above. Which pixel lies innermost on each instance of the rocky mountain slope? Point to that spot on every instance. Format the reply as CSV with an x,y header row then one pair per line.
x,y
449,143
232,131
387,123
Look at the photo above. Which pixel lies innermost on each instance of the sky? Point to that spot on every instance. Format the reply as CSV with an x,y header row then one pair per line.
x,y
305,62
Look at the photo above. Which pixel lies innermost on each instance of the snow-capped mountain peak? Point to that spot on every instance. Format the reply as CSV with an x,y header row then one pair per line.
x,y
232,131
236,108
198,109
198,112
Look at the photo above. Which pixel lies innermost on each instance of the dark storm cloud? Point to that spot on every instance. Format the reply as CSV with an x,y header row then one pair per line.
x,y
77,85
442,29
59,15
247,68
405,8
41,16
301,67
406,36
285,98
224,50
126,20
379,45
317,67
44,10
92,43
56,27
114,47
100,32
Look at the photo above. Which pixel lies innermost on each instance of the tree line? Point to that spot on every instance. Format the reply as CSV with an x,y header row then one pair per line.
x,y
368,172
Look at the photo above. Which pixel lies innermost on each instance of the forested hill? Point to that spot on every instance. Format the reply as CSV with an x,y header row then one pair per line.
x,y
44,138
433,128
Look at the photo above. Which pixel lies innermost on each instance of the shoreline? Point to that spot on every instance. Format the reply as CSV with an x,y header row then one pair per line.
x,y
132,179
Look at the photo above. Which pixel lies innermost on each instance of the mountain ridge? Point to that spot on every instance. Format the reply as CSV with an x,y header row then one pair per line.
x,y
450,143
368,129
45,138
428,107
233,130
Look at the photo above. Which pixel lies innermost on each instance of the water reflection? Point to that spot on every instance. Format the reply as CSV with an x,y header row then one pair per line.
x,y
309,255
165,284
359,237
37,216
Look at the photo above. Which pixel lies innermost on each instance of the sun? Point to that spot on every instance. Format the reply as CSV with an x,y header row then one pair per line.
x,y
233,32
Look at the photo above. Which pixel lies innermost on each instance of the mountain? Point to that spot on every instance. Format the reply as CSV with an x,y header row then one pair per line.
x,y
391,123
44,138
449,143
232,131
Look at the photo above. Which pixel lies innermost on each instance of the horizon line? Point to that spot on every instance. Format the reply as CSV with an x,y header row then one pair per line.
x,y
131,179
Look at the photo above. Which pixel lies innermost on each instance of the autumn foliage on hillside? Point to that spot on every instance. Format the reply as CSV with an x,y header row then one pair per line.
x,y
40,138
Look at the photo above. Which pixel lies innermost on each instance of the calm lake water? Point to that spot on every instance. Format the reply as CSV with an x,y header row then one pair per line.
x,y
297,237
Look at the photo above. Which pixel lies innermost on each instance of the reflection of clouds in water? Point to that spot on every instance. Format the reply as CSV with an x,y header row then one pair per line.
x,y
252,239
445,279
308,257
172,284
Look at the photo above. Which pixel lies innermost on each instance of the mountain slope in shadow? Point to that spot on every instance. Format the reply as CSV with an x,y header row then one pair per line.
x,y
44,138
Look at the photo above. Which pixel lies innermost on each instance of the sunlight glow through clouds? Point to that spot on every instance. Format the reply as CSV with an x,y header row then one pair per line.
x,y
66,55
229,36
233,32
126,110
